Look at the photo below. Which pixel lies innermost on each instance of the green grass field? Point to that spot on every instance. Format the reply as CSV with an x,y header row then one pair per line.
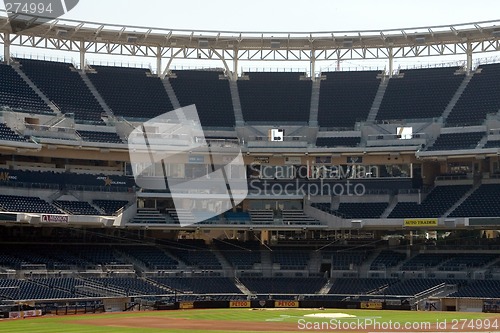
x,y
245,319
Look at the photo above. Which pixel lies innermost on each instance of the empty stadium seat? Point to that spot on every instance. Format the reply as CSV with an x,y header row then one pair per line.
x,y
104,137
483,202
437,202
346,98
208,92
480,95
338,142
54,78
16,203
455,141
420,93
275,97
16,94
131,92
6,133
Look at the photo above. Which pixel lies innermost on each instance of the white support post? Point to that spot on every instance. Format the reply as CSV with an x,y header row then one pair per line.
x,y
469,57
391,61
82,55
159,68
6,48
313,65
234,74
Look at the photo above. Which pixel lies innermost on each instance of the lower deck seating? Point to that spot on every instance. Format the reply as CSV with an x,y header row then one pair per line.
x,y
359,286
486,289
283,285
21,204
338,142
130,286
200,285
152,258
437,202
110,207
483,202
387,258
455,141
77,207
6,133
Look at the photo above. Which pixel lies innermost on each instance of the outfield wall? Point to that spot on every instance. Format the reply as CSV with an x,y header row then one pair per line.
x,y
277,303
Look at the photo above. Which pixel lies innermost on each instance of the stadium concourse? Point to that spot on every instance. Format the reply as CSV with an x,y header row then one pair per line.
x,y
366,188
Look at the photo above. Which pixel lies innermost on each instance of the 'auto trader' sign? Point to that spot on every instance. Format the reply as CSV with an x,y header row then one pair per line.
x,y
421,222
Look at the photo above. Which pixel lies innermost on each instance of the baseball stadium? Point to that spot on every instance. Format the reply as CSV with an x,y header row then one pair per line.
x,y
339,200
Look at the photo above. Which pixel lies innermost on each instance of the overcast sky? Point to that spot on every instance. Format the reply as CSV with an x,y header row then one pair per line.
x,y
277,16
285,15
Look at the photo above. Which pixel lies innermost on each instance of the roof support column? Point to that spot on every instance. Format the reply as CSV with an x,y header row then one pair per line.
x,y
159,69
469,57
391,60
6,48
235,73
82,55
313,65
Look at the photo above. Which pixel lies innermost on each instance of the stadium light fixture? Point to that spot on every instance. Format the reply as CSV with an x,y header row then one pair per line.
x,y
347,43
132,39
496,33
420,40
275,44
203,43
61,32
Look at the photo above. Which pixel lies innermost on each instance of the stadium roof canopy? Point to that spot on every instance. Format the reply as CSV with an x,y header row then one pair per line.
x,y
232,46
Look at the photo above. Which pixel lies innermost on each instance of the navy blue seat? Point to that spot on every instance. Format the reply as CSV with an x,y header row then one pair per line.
x,y
275,97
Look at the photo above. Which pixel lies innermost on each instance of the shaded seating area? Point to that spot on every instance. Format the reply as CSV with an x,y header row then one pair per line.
x,y
359,286
54,78
480,95
16,94
411,287
110,207
483,202
423,260
76,207
359,210
435,204
104,137
200,285
23,289
492,144
283,285
467,260
61,180
387,258
208,92
151,257
486,289
365,210
130,286
195,253
22,204
6,133
346,98
131,92
456,141
241,255
420,93
338,142
291,259
275,97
